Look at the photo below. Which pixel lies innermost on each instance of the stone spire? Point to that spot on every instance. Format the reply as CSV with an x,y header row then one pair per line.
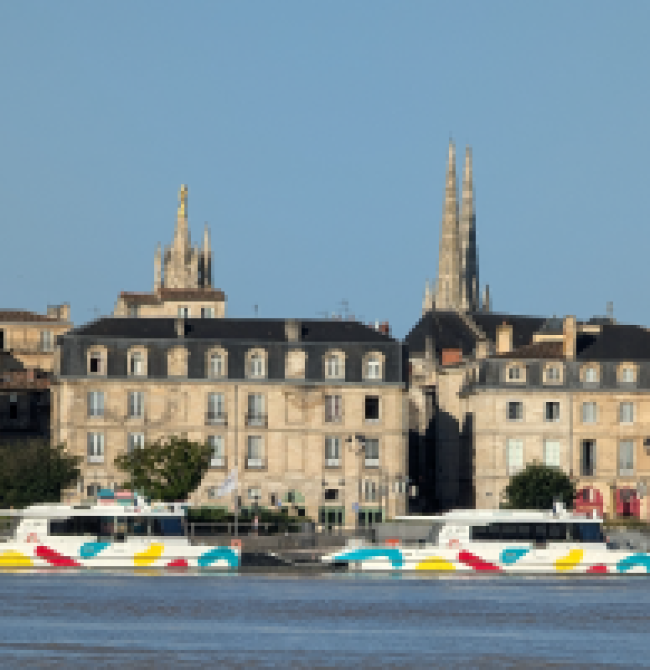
x,y
469,291
157,269
206,260
181,242
427,302
448,284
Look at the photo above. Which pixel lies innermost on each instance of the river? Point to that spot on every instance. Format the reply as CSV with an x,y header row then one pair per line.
x,y
107,620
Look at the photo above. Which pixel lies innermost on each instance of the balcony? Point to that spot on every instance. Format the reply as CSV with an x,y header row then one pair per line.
x,y
333,418
256,463
257,419
216,419
332,462
371,463
95,460
219,462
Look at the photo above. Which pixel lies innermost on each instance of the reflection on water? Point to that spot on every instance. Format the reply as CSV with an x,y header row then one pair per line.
x,y
122,620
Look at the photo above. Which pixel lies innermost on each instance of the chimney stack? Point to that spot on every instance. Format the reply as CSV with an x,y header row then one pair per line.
x,y
180,326
504,338
569,328
292,330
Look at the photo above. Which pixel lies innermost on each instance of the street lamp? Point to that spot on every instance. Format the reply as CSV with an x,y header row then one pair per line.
x,y
361,449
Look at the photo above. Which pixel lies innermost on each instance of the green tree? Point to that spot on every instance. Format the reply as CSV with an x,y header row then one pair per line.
x,y
35,471
538,486
166,470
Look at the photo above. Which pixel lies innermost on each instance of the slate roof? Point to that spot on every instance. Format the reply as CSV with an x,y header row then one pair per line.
x,y
537,350
523,327
163,294
617,343
254,329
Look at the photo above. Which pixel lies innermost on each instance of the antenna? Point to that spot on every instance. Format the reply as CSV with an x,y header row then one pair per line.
x,y
255,310
610,309
345,304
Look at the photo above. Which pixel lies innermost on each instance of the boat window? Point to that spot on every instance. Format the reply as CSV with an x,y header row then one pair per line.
x,y
77,525
167,526
589,532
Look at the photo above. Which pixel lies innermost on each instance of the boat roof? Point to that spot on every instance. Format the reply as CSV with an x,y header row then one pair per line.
x,y
47,511
478,516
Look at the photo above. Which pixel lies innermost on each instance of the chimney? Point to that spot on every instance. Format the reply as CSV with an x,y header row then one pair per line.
x,y
180,326
569,337
451,357
384,327
292,330
64,311
504,338
30,375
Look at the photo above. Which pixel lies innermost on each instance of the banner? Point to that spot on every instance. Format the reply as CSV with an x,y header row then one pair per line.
x,y
229,484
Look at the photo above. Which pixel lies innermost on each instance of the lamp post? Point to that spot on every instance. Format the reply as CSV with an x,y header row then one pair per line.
x,y
359,451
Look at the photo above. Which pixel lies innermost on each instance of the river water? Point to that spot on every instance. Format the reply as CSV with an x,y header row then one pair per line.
x,y
107,620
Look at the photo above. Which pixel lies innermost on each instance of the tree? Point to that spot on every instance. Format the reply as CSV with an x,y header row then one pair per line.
x,y
166,470
35,471
538,486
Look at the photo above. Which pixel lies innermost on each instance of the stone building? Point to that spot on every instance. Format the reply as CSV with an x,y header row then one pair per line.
x,y
27,344
182,278
577,397
288,403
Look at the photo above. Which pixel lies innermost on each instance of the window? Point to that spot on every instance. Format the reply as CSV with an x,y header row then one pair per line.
x,y
372,453
256,366
591,375
332,452
626,412
515,456
370,491
373,368
132,311
626,458
255,494
217,367
95,403
95,447
552,411
553,374
514,373
552,453
589,412
216,408
47,341
137,364
515,411
588,458
333,367
218,459
331,494
372,408
136,404
184,312
333,408
91,491
13,405
207,312
254,454
96,363
256,415
134,441
627,375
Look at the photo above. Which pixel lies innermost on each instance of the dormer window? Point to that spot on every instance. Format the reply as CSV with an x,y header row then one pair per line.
x,y
373,368
516,373
627,373
137,364
334,365
96,361
591,375
216,365
256,366
553,374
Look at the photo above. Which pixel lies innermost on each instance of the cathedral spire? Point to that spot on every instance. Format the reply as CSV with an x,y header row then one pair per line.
x,y
467,242
182,234
448,284
157,269
206,259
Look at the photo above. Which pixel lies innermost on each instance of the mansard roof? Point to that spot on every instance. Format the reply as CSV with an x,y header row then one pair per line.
x,y
523,327
255,329
617,343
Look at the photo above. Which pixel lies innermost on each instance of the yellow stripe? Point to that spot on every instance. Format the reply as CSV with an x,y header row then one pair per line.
x,y
434,563
147,557
568,562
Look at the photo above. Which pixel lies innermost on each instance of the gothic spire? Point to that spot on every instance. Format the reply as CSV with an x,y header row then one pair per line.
x,y
467,241
206,258
448,284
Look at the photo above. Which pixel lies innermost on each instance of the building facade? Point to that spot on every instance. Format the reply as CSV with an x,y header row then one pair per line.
x,y
311,413
577,398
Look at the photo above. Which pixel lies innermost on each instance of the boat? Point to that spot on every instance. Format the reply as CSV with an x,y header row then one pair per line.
x,y
111,532
498,541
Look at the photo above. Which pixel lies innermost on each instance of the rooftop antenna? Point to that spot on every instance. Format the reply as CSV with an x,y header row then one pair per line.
x,y
610,309
256,310
345,304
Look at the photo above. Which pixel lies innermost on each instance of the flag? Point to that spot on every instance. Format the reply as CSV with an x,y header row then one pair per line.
x,y
229,484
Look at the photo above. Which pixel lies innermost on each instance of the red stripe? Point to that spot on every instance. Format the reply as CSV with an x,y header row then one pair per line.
x,y
178,563
597,568
477,563
54,558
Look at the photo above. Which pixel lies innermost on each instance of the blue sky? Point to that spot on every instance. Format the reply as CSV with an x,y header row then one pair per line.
x,y
313,138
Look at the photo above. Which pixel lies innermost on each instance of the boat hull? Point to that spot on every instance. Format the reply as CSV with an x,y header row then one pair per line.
x,y
481,558
107,555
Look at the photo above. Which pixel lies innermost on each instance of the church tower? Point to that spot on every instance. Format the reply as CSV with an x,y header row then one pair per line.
x,y
469,290
447,294
181,259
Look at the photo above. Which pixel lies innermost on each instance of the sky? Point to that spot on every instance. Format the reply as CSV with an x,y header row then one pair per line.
x,y
313,139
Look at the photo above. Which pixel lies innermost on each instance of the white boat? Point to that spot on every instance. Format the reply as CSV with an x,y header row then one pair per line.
x,y
104,536
500,541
